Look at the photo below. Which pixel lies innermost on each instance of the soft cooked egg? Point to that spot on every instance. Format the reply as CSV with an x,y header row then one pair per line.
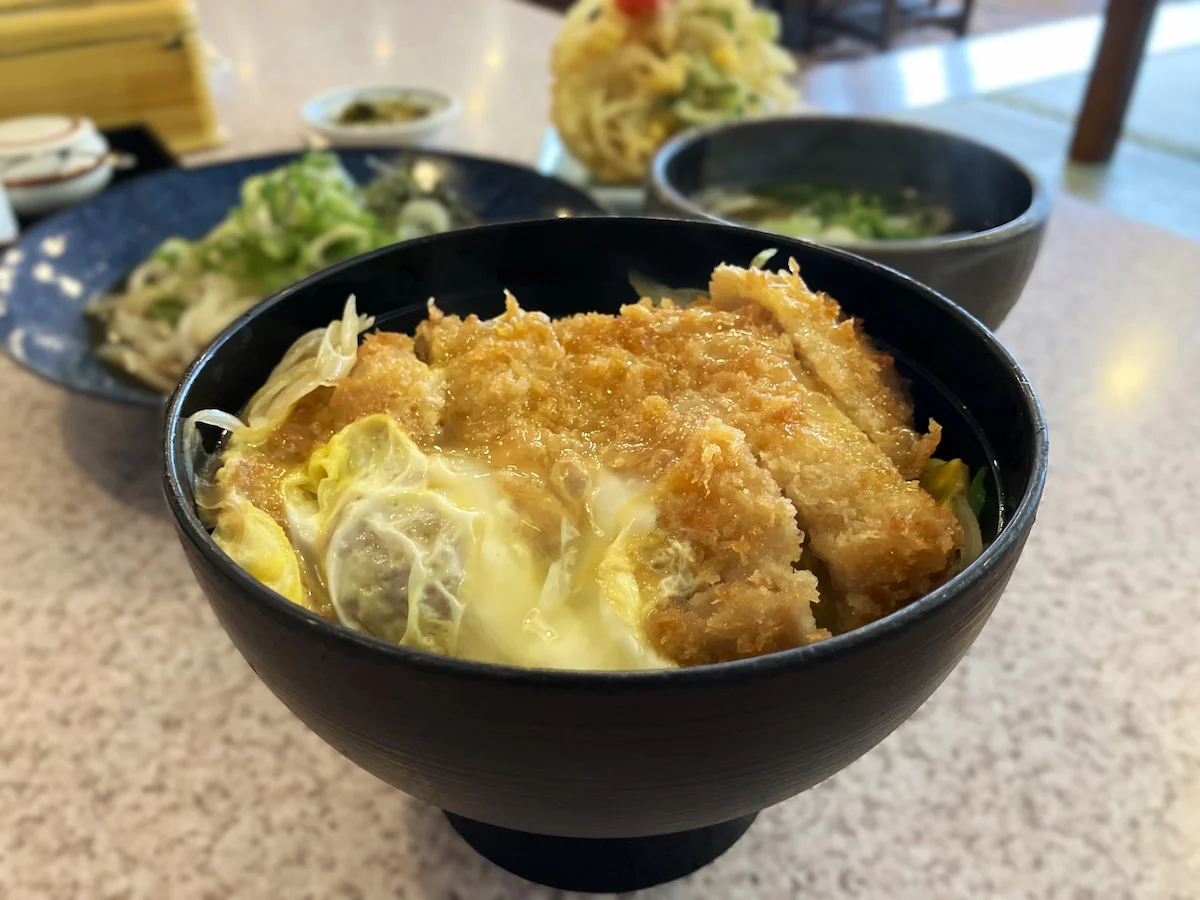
x,y
425,549
261,547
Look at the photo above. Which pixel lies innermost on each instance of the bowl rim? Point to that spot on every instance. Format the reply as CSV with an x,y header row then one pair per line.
x,y
291,614
316,115
58,178
75,129
1033,217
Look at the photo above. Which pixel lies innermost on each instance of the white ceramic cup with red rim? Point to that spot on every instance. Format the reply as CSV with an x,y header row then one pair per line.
x,y
50,162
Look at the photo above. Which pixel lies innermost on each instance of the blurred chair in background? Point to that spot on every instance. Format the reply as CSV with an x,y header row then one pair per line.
x,y
1114,73
878,21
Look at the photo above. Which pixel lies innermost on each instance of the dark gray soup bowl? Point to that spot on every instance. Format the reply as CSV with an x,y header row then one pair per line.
x,y
614,781
999,206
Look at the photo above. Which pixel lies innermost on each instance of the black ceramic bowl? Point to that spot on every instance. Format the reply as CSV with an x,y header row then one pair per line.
x,y
999,207
598,780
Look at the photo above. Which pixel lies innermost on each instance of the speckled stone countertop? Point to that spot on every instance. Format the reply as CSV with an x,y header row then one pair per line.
x,y
141,758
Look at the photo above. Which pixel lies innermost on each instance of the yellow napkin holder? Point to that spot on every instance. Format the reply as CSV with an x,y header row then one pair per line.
x,y
119,62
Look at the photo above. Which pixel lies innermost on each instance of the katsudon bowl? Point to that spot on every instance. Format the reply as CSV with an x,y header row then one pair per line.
x,y
615,781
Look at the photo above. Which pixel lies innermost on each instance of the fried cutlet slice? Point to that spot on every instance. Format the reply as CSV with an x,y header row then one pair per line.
x,y
501,380
879,535
536,395
725,581
860,378
738,619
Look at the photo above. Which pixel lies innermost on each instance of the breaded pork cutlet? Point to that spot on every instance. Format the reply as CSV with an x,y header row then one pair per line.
x,y
835,350
764,425
637,394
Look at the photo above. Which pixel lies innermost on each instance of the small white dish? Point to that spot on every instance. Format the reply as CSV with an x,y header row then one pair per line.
x,y
49,162
321,115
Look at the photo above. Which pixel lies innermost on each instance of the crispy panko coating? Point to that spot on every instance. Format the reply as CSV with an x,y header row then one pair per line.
x,y
601,391
766,427
738,593
860,378
879,534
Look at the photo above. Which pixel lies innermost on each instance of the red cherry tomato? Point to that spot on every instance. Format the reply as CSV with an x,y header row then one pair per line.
x,y
637,8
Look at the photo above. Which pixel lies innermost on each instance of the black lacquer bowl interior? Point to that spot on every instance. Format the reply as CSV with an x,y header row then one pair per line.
x,y
590,755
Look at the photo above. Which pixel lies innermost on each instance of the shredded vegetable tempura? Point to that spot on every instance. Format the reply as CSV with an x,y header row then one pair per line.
x,y
292,221
630,73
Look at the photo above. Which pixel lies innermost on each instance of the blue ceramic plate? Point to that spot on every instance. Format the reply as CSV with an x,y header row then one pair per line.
x,y
61,263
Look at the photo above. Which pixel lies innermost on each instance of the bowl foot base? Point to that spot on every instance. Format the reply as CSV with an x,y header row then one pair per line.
x,y
600,865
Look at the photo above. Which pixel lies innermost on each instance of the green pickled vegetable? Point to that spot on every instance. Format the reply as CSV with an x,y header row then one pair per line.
x,y
977,492
950,484
169,309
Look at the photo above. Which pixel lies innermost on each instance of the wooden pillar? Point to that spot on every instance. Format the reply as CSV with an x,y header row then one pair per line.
x,y
1126,27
